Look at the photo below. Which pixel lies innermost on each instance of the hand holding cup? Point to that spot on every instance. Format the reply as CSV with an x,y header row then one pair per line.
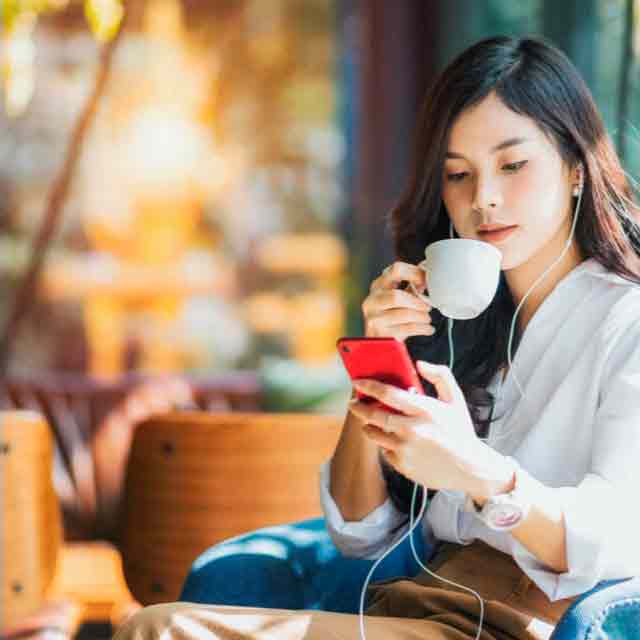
x,y
463,277
392,312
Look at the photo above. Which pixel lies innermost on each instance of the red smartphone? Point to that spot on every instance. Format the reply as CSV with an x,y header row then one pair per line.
x,y
383,359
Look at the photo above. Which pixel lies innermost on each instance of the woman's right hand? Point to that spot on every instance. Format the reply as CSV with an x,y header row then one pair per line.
x,y
357,484
392,312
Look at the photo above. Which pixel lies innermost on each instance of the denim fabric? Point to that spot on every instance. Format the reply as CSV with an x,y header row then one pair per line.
x,y
294,566
297,566
610,611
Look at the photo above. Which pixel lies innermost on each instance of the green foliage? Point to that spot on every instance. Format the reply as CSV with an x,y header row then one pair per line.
x,y
103,16
12,10
289,386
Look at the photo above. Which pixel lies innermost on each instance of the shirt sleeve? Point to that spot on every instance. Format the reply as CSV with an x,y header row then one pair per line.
x,y
446,516
368,538
602,520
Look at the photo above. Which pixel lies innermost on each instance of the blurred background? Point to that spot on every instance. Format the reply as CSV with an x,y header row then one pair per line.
x,y
193,196
199,228
208,193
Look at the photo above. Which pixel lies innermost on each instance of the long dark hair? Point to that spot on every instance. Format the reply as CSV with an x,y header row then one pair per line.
x,y
534,79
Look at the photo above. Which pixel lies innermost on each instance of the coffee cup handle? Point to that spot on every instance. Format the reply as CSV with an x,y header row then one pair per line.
x,y
421,295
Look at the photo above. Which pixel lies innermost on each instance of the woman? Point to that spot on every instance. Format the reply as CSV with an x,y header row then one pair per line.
x,y
509,137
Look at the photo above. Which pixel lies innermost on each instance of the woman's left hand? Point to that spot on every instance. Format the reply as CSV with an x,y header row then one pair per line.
x,y
434,443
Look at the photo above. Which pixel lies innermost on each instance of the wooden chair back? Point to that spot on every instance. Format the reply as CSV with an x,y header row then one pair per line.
x,y
92,419
31,526
195,479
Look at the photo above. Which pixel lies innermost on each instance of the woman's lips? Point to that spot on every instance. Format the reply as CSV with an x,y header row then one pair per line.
x,y
497,236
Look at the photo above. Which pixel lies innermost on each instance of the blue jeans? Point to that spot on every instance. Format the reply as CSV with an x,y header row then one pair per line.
x,y
294,566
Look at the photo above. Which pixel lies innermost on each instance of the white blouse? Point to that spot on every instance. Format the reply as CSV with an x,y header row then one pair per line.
x,y
577,429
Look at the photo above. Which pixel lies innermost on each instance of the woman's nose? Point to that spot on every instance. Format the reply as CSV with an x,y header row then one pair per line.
x,y
487,195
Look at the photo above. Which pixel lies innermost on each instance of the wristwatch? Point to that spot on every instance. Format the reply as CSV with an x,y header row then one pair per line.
x,y
501,512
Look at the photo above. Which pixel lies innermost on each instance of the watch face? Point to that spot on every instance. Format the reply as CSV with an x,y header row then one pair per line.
x,y
504,516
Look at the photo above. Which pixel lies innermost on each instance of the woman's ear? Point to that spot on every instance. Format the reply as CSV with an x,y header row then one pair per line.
x,y
578,179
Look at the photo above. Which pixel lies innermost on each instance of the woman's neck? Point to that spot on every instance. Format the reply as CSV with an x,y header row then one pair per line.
x,y
521,278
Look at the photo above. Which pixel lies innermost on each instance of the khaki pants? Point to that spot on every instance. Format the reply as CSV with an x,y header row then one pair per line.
x,y
408,609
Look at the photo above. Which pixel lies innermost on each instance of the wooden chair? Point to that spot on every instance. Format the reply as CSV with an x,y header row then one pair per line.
x,y
31,529
93,421
91,424
194,479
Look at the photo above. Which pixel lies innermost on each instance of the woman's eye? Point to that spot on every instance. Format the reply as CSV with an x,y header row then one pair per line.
x,y
512,167
456,177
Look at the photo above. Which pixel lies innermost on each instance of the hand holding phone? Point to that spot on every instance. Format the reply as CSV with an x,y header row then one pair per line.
x,y
384,359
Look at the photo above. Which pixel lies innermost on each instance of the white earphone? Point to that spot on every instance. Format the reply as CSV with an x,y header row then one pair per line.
x,y
413,521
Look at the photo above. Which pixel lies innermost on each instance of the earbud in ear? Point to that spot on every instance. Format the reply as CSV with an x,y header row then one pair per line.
x,y
577,188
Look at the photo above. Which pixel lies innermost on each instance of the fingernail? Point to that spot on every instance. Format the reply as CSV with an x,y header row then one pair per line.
x,y
419,294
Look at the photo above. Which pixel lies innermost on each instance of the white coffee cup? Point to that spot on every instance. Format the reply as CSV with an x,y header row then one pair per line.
x,y
462,276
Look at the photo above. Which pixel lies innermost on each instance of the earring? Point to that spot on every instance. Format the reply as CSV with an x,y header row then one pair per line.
x,y
577,188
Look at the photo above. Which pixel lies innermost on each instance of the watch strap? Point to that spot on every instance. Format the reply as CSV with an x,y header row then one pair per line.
x,y
504,511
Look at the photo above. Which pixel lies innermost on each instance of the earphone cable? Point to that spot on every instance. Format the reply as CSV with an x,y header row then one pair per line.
x,y
413,522
490,439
